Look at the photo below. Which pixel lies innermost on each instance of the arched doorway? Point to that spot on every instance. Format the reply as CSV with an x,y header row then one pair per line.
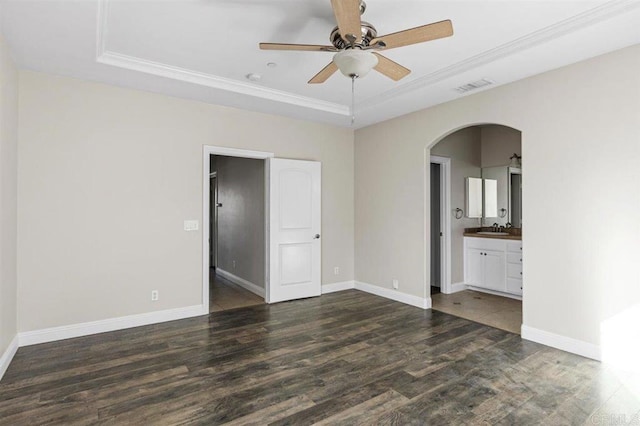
x,y
475,223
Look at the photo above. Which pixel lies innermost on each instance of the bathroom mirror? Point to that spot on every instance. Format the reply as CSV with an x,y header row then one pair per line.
x,y
490,198
473,199
504,193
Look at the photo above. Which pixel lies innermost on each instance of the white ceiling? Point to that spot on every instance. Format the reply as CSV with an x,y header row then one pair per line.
x,y
203,49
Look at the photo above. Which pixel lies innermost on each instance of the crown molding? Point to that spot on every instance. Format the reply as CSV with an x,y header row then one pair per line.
x,y
104,56
561,28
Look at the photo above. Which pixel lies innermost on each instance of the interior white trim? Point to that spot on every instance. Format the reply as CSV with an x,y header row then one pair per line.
x,y
340,286
8,355
210,80
419,302
207,151
564,343
248,285
53,334
456,287
590,17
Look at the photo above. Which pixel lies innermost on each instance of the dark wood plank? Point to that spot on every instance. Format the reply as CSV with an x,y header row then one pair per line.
x,y
343,358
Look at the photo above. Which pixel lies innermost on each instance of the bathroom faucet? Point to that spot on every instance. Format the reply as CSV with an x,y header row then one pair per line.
x,y
495,227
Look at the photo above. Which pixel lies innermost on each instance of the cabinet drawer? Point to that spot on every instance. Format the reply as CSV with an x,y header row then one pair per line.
x,y
484,243
514,270
514,258
514,246
514,286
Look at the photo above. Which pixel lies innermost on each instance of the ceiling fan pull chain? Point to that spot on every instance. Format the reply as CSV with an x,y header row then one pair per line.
x,y
353,99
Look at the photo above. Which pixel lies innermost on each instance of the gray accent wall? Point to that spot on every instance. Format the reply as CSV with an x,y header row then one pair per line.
x,y
241,219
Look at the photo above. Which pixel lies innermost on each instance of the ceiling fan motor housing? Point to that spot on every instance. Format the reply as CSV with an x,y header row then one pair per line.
x,y
368,33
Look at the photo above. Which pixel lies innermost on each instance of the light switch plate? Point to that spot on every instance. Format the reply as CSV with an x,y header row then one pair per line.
x,y
191,225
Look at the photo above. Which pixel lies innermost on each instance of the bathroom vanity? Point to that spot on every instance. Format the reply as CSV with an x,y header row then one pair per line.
x,y
493,263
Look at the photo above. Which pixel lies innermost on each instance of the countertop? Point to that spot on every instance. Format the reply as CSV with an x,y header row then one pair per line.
x,y
493,237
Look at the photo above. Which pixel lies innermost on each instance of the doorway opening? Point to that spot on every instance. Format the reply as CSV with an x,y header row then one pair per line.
x,y
261,227
237,232
476,223
440,174
235,201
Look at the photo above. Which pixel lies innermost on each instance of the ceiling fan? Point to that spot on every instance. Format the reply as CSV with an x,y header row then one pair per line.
x,y
355,42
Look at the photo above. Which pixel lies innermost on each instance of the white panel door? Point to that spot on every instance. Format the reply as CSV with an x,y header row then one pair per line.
x,y
294,229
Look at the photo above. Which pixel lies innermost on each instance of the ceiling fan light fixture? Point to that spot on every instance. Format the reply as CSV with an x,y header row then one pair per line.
x,y
355,62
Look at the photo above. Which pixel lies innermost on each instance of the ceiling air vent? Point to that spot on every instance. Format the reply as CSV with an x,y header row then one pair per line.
x,y
474,85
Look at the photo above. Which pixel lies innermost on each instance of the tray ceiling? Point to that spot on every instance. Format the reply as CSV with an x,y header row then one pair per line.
x,y
204,49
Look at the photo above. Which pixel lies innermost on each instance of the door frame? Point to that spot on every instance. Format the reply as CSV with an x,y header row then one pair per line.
x,y
214,243
445,222
207,151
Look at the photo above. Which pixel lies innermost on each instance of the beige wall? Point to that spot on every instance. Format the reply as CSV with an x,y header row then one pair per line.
x,y
499,143
8,195
241,219
581,194
107,176
463,147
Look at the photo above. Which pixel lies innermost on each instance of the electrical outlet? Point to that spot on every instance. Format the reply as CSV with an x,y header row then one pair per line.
x,y
395,284
336,270
234,264
155,295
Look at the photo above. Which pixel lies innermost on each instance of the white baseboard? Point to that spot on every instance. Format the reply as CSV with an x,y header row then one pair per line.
x,y
247,285
7,356
568,344
94,327
333,287
456,287
419,302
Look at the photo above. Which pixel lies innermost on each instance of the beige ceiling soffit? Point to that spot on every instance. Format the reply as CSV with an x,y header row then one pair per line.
x,y
106,57
569,25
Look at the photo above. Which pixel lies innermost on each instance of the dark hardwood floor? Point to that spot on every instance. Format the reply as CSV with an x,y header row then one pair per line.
x,y
343,358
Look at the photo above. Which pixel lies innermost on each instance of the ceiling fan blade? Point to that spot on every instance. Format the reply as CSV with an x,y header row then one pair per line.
x,y
348,16
416,35
305,47
324,74
391,69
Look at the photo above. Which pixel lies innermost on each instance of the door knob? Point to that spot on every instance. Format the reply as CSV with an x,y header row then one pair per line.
x,y
316,237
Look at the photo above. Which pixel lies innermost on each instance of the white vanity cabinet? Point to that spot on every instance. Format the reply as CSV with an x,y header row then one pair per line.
x,y
493,264
514,267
